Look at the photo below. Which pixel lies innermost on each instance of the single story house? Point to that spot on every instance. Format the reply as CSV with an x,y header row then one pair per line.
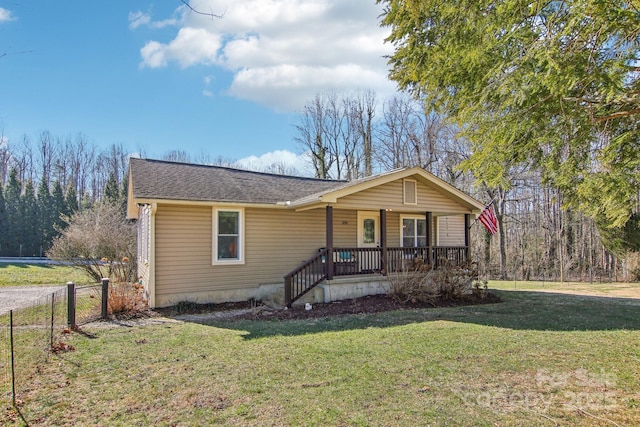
x,y
217,234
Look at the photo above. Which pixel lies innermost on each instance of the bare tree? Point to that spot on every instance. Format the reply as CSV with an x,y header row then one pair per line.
x,y
311,136
5,158
177,156
396,131
48,151
360,113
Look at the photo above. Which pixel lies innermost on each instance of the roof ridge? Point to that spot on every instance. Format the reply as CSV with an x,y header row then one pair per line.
x,y
235,169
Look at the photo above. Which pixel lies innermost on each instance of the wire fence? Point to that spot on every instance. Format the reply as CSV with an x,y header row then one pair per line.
x,y
30,334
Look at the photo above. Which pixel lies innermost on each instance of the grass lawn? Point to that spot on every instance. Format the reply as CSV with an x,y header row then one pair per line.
x,y
39,274
629,290
537,358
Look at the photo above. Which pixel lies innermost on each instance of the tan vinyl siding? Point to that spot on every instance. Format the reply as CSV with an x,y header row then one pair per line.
x,y
390,196
276,241
451,230
393,230
345,228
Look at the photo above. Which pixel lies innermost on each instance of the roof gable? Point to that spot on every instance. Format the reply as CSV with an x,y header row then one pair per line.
x,y
332,195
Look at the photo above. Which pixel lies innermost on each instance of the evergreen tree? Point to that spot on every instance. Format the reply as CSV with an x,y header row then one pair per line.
x,y
111,190
45,212
60,209
551,85
29,237
70,201
12,206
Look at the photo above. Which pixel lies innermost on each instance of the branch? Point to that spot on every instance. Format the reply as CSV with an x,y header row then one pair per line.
x,y
3,54
211,14
619,114
624,100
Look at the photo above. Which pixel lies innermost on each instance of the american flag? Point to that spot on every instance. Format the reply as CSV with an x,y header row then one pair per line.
x,y
488,219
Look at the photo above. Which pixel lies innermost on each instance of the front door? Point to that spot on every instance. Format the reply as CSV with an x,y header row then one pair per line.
x,y
369,237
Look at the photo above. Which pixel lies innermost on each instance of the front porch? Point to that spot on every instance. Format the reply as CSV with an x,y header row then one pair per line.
x,y
379,258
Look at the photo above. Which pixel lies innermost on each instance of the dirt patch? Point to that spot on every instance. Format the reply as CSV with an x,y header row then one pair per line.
x,y
363,305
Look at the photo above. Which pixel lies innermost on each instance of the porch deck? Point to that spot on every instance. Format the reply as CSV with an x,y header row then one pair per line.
x,y
329,263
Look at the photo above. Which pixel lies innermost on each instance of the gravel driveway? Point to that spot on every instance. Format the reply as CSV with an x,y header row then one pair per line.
x,y
20,296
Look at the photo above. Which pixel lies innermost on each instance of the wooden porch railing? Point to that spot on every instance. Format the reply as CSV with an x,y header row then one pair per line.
x,y
360,261
304,278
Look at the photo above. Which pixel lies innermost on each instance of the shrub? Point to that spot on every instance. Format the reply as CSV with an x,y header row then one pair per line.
x,y
100,241
126,298
421,284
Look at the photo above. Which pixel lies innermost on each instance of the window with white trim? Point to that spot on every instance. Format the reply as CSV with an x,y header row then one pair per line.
x,y
228,236
414,231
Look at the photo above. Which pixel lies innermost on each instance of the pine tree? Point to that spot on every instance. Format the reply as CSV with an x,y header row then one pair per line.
x,y
60,209
550,85
29,236
45,212
111,190
12,206
70,201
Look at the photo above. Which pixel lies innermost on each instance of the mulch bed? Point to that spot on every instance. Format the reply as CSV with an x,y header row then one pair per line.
x,y
363,305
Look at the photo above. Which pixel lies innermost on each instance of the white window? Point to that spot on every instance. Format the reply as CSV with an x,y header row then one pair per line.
x,y
228,236
414,232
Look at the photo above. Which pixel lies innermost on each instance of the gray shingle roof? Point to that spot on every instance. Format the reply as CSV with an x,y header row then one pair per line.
x,y
156,179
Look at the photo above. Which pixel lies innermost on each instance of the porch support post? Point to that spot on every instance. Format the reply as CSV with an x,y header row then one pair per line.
x,y
383,241
467,237
329,242
429,218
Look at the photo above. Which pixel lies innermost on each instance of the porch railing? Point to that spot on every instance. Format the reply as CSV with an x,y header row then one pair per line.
x,y
304,278
360,261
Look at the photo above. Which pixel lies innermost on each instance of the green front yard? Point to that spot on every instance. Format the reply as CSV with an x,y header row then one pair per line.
x,y
12,274
537,358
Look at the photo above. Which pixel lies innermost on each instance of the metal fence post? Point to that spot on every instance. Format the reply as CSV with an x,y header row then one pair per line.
x,y
13,366
71,305
105,296
53,311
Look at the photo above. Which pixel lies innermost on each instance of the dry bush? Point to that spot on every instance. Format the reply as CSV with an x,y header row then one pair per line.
x,y
412,287
100,241
126,298
418,284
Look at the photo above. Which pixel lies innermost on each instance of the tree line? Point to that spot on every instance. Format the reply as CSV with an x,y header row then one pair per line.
x,y
43,183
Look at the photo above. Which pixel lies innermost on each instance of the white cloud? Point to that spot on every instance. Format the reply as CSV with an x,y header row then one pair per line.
x,y
287,87
138,18
190,47
6,15
278,161
207,83
282,52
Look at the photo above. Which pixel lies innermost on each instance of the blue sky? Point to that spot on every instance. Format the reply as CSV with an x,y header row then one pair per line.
x,y
153,76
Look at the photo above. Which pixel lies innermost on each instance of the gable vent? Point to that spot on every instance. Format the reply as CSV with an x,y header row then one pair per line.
x,y
410,192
